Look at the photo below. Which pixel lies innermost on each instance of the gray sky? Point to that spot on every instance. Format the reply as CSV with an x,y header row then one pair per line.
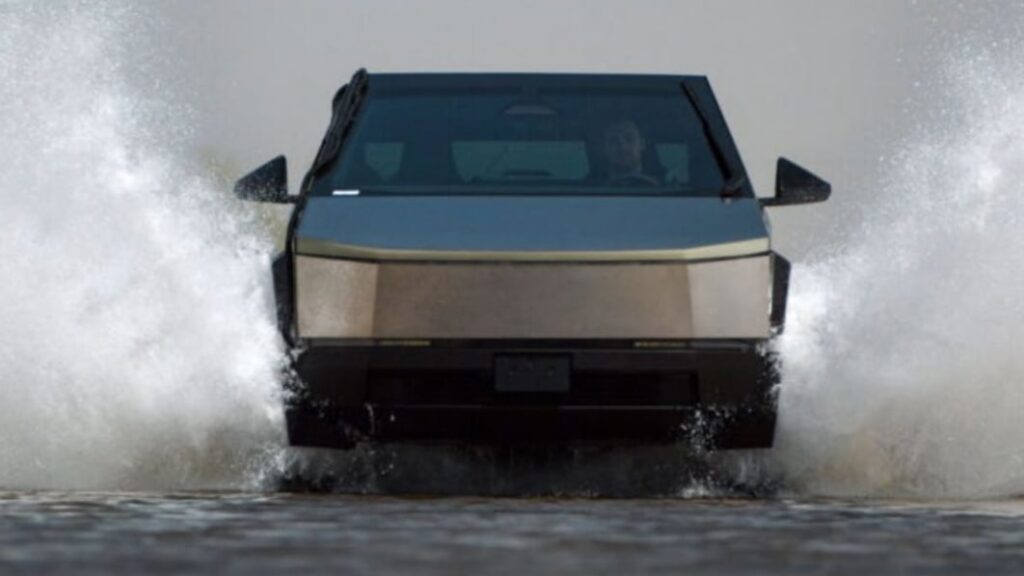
x,y
824,83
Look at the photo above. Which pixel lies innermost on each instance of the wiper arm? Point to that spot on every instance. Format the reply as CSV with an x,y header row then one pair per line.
x,y
346,106
735,178
733,186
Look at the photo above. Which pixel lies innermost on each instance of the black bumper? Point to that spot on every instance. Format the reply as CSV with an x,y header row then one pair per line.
x,y
717,393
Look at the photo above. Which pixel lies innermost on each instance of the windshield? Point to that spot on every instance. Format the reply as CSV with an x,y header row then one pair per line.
x,y
523,141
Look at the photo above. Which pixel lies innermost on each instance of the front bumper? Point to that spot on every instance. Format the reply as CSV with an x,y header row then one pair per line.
x,y
718,392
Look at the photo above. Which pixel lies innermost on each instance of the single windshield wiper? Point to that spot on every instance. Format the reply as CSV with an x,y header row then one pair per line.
x,y
735,179
346,106
733,186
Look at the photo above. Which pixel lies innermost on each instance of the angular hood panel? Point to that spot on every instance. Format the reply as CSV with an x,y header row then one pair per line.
x,y
542,228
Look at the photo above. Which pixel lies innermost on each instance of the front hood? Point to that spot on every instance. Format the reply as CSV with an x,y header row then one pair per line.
x,y
542,228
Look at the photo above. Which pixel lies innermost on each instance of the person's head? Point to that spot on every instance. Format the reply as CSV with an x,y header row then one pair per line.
x,y
623,146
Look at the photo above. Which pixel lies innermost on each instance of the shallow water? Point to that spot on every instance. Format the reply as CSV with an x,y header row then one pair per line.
x,y
138,352
96,533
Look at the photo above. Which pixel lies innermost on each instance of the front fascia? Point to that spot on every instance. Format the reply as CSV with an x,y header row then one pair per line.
x,y
347,299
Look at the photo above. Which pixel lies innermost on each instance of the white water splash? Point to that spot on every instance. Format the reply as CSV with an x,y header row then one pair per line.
x,y
904,366
137,348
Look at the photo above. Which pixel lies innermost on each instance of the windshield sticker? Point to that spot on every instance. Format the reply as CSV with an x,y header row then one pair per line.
x,y
345,193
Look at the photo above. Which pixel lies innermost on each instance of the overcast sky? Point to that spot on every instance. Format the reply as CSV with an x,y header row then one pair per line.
x,y
824,83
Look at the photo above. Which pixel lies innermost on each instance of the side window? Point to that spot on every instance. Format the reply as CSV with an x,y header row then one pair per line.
x,y
675,160
383,158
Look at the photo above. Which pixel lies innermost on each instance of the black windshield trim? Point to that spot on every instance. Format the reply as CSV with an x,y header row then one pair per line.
x,y
721,157
387,82
347,103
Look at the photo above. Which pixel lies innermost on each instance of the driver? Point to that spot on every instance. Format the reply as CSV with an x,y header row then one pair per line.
x,y
623,147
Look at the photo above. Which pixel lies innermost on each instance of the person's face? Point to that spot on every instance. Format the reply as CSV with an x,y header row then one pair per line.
x,y
623,146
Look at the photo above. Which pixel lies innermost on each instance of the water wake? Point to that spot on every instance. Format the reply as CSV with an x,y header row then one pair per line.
x,y
136,346
903,369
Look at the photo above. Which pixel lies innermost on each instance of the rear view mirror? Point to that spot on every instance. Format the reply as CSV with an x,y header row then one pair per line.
x,y
268,183
795,185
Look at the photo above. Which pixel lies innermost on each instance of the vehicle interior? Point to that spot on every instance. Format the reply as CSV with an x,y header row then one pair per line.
x,y
518,142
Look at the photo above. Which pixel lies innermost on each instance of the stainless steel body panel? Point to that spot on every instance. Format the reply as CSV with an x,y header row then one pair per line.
x,y
456,300
468,267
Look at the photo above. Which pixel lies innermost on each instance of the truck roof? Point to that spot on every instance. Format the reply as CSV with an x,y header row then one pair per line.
x,y
518,79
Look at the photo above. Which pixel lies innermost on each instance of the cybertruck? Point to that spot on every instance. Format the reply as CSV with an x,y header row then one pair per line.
x,y
530,258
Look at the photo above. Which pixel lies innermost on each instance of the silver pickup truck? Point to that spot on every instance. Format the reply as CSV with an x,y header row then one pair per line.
x,y
530,259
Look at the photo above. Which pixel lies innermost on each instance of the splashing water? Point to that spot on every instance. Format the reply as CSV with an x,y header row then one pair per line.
x,y
137,348
136,345
903,371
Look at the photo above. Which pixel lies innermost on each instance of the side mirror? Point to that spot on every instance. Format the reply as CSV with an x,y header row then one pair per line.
x,y
794,185
268,183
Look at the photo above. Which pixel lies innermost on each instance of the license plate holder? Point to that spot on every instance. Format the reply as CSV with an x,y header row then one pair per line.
x,y
532,372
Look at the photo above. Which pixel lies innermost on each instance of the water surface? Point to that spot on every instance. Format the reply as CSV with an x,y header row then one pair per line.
x,y
237,533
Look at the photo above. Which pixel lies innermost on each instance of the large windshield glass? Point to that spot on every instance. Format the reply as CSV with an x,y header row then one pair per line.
x,y
526,141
